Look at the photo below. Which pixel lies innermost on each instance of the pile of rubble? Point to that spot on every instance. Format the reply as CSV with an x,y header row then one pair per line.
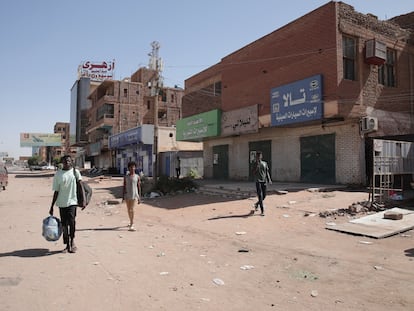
x,y
355,209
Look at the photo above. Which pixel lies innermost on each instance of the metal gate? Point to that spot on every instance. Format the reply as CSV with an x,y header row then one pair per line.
x,y
221,162
317,159
391,161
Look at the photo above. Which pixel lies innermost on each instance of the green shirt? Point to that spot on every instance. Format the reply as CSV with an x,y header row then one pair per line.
x,y
65,183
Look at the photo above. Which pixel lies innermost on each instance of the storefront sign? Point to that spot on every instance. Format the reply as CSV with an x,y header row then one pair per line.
x,y
139,135
297,102
199,126
240,121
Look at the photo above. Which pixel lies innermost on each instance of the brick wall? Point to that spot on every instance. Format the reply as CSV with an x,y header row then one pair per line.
x,y
307,46
298,50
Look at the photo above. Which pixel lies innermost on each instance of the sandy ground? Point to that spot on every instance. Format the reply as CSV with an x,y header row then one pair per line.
x,y
197,252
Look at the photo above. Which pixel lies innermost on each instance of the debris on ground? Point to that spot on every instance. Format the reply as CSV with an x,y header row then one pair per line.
x,y
218,281
393,215
354,209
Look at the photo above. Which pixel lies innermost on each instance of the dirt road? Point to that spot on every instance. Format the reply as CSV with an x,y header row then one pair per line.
x,y
197,252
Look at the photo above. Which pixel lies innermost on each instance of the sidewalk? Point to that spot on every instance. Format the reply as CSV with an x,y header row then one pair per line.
x,y
246,189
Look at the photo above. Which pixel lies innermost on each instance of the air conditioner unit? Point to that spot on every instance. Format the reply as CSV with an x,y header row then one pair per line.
x,y
368,124
375,52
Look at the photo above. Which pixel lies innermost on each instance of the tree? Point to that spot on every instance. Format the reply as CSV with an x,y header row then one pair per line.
x,y
33,160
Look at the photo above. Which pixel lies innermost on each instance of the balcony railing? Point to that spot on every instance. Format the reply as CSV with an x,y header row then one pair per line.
x,y
105,122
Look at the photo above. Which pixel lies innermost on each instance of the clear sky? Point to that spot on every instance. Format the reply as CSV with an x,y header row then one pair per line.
x,y
42,43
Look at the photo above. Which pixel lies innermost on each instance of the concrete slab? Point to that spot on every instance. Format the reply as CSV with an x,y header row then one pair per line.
x,y
376,226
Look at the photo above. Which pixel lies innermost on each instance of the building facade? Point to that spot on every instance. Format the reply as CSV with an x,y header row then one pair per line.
x,y
51,153
63,128
79,106
138,145
118,106
310,96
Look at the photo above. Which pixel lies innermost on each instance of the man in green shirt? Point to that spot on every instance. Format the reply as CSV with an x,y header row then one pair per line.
x,y
261,176
64,195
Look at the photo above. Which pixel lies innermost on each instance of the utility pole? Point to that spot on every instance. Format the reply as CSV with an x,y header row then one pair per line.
x,y
155,63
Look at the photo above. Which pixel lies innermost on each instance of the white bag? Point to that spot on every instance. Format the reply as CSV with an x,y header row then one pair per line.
x,y
52,228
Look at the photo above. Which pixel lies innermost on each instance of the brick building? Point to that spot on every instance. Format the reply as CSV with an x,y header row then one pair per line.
x,y
49,154
310,96
118,106
63,129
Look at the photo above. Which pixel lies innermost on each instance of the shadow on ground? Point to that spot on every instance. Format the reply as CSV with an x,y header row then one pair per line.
x,y
104,229
30,253
116,191
184,200
34,175
180,200
409,252
250,214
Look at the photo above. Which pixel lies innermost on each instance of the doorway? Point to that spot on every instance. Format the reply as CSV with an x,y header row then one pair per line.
x,y
317,159
221,162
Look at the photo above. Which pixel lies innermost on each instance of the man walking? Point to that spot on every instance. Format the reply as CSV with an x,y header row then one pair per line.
x,y
64,187
178,167
261,175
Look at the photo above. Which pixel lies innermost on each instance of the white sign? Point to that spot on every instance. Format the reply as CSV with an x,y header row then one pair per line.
x,y
240,121
97,71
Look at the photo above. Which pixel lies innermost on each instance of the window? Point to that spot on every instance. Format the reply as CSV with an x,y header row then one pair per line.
x,y
217,88
125,92
349,57
148,104
105,111
386,72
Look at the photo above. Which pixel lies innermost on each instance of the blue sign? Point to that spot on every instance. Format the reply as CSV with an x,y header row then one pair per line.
x,y
297,102
129,137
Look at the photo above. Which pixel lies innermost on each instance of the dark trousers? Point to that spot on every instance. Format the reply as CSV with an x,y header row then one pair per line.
x,y
261,194
67,217
178,172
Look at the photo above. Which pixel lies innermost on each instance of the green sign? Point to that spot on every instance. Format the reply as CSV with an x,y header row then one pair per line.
x,y
194,128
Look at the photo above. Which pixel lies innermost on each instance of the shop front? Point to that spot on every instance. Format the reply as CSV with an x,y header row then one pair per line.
x,y
134,145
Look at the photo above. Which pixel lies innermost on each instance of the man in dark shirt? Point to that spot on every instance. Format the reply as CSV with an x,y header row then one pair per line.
x,y
261,176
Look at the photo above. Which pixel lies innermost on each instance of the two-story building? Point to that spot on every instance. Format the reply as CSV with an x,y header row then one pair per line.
x,y
310,96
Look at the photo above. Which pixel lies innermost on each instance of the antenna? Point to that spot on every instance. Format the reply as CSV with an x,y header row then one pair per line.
x,y
155,61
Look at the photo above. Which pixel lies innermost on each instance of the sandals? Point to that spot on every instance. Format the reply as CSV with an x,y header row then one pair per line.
x,y
73,249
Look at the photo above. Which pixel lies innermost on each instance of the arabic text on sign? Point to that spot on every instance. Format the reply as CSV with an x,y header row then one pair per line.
x,y
293,115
